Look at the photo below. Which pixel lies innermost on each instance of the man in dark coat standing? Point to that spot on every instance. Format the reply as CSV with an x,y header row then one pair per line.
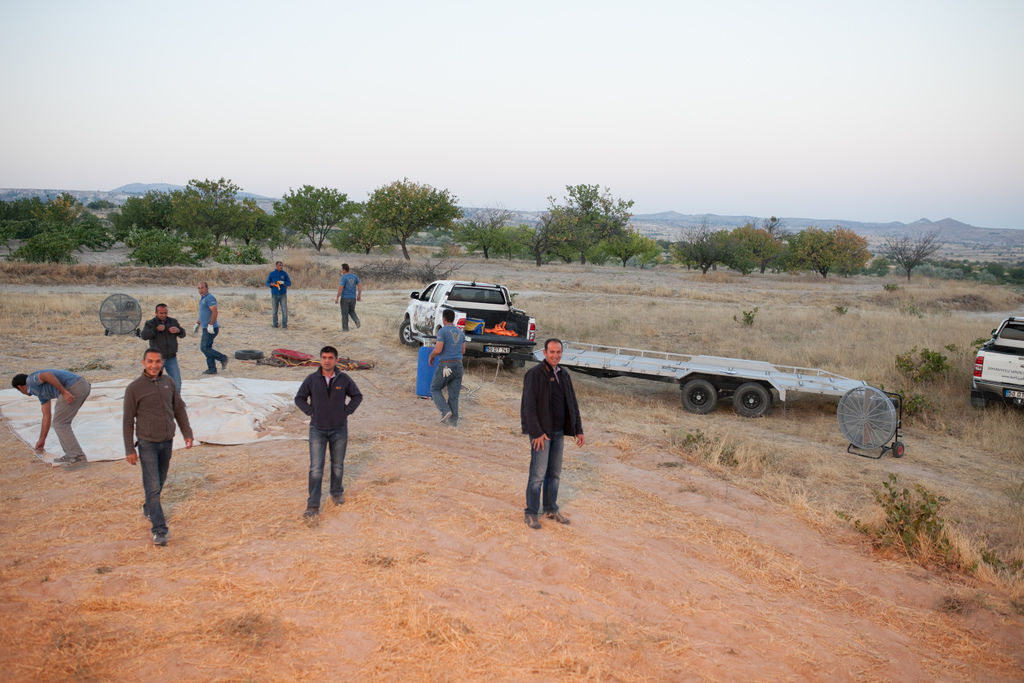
x,y
328,396
549,412
151,407
163,332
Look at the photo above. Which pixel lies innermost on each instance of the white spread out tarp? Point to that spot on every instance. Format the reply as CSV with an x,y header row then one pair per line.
x,y
221,411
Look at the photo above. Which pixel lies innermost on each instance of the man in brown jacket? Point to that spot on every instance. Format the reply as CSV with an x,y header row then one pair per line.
x,y
152,405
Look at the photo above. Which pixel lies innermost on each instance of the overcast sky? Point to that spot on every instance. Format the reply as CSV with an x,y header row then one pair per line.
x,y
868,111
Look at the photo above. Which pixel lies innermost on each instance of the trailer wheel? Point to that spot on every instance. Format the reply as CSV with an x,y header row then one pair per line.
x,y
751,400
405,334
699,396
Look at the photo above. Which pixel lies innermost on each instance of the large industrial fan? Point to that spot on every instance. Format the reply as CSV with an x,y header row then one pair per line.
x,y
869,418
120,314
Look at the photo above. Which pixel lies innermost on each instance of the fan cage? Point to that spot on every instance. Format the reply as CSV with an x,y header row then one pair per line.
x,y
867,417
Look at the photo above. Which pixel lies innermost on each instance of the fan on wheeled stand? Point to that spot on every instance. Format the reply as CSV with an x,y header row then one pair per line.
x,y
869,418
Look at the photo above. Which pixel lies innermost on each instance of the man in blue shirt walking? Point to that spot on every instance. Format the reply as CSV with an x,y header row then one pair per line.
x,y
279,282
349,291
72,389
448,350
208,322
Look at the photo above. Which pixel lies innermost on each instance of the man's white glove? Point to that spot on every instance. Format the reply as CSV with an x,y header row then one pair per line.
x,y
209,328
446,372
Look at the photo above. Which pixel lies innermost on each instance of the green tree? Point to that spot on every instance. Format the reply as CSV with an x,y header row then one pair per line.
x,y
207,208
822,251
356,234
403,208
98,204
630,245
53,244
157,247
703,247
63,209
151,210
255,226
314,212
484,230
763,246
539,240
589,215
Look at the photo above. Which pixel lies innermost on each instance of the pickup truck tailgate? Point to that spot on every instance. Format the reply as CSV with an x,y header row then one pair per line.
x,y
1007,368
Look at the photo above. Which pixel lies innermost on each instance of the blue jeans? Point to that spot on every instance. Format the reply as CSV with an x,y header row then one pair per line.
x,y
348,308
172,370
280,300
545,471
454,384
319,439
206,346
155,459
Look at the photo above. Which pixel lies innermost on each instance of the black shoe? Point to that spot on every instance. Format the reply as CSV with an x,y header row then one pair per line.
x,y
531,521
311,512
159,539
358,325
224,363
557,516
209,372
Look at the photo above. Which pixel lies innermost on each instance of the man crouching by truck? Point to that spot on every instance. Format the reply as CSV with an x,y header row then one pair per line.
x,y
549,412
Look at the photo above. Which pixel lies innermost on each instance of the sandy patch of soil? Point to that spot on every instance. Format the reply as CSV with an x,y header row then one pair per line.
x,y
427,571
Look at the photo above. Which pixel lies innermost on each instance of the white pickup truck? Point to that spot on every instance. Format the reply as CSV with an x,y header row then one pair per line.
x,y
999,366
495,328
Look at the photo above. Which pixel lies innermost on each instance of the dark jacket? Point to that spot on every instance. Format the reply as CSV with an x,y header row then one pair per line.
x,y
164,342
326,404
151,407
535,409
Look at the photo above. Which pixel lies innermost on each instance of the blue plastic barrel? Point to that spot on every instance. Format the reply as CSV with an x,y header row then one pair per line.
x,y
424,373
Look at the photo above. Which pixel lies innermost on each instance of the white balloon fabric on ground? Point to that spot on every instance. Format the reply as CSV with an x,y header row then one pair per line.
x,y
222,411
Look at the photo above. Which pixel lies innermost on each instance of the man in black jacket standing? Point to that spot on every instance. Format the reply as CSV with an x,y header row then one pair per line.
x,y
151,407
549,412
163,333
322,396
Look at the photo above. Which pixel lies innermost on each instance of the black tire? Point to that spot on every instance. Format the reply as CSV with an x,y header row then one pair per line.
x,y
978,401
248,354
751,400
898,449
512,363
405,334
699,396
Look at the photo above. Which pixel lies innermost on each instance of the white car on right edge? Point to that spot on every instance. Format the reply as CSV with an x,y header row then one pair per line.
x,y
999,366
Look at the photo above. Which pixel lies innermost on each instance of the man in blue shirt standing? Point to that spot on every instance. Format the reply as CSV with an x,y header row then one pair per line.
x,y
279,282
72,389
208,322
448,350
349,291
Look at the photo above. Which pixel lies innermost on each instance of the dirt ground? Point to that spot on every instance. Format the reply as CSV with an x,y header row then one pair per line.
x,y
427,571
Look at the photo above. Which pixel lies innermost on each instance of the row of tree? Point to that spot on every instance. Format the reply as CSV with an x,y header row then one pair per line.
x,y
588,224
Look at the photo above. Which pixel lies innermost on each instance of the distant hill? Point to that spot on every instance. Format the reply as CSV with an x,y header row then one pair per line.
x,y
119,194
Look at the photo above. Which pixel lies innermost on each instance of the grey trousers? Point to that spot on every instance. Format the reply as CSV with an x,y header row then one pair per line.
x,y
65,412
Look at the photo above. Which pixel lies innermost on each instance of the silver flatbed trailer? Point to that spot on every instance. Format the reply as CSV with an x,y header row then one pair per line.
x,y
703,380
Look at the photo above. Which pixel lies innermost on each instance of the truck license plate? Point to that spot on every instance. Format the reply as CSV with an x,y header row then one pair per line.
x,y
497,349
1010,393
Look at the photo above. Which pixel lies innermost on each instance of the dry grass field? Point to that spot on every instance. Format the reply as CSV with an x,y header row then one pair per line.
x,y
702,547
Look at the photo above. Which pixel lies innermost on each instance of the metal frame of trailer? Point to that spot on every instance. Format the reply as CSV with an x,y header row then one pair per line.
x,y
703,380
